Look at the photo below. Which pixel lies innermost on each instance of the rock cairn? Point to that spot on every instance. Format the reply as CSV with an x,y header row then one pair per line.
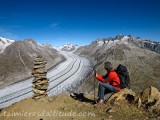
x,y
40,83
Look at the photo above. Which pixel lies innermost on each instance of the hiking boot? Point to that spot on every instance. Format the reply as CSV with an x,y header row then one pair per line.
x,y
100,101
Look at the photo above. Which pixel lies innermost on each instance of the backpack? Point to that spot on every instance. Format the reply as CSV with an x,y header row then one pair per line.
x,y
123,74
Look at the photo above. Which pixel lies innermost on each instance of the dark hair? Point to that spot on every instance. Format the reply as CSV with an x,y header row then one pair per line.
x,y
108,65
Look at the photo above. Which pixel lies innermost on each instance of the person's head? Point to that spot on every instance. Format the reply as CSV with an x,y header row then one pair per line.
x,y
108,66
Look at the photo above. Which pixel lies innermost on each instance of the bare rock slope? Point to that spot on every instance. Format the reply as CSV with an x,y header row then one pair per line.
x,y
17,60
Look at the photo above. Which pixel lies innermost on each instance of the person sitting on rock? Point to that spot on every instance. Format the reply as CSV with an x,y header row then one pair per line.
x,y
108,83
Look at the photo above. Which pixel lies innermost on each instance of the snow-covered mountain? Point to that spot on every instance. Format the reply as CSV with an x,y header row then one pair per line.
x,y
4,42
122,39
68,47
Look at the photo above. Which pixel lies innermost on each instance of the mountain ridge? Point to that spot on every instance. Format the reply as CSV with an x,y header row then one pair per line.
x,y
16,60
143,43
143,63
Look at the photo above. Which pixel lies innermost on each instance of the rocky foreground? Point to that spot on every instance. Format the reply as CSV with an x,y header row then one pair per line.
x,y
124,105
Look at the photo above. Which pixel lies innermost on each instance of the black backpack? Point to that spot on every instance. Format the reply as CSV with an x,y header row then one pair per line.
x,y
123,75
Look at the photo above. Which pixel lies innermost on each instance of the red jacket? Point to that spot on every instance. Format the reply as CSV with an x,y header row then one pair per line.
x,y
112,78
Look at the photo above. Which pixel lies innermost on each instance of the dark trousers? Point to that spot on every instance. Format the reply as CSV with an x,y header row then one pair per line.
x,y
105,88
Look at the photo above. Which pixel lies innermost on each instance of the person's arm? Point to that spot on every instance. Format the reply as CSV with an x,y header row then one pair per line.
x,y
101,78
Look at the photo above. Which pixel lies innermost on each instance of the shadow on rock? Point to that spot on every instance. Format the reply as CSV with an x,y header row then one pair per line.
x,y
81,97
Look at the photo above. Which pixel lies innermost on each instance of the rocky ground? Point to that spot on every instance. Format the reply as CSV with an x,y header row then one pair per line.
x,y
125,105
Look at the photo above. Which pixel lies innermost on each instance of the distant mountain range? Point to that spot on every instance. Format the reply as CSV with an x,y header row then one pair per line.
x,y
68,47
142,57
16,59
107,43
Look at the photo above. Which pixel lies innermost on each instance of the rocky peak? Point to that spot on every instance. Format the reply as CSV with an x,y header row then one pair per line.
x,y
119,37
21,54
137,41
31,41
147,44
48,45
68,47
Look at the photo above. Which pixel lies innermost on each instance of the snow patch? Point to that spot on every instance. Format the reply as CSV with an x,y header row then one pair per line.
x,y
4,42
125,38
116,41
100,43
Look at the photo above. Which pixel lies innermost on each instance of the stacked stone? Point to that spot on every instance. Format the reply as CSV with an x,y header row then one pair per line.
x,y
40,83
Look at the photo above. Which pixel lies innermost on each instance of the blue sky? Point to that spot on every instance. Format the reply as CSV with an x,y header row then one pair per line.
x,y
78,21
